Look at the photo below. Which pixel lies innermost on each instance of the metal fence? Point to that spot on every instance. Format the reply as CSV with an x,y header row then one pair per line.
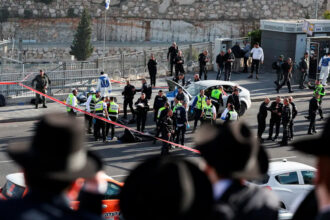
x,y
83,75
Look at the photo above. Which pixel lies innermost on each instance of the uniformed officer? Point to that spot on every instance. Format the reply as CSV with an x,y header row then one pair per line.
x,y
92,99
113,115
72,100
275,118
181,120
161,116
142,108
232,115
197,106
318,89
294,114
286,117
128,93
313,107
216,96
262,115
167,132
159,102
101,110
209,113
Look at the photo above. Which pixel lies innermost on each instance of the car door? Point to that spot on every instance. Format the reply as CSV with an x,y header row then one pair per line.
x,y
110,202
307,179
289,187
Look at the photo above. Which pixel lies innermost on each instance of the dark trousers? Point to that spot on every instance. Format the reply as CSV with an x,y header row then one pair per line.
x,y
155,114
112,126
303,78
43,99
141,120
128,102
227,73
277,123
99,125
245,65
216,106
202,69
255,64
320,108
286,81
198,113
285,137
152,79
312,118
72,113
220,72
279,77
171,67
180,133
89,122
291,128
165,146
261,126
207,121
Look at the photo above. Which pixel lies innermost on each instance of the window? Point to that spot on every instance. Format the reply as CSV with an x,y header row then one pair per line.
x,y
308,176
262,181
113,191
288,178
193,89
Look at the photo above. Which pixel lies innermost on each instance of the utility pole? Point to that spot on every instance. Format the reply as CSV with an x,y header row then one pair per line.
x,y
316,8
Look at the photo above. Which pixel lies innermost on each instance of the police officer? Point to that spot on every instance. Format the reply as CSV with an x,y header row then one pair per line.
x,y
275,118
203,59
101,110
181,120
72,100
159,102
286,116
262,115
167,132
92,99
197,107
216,96
313,107
171,55
113,115
142,108
161,116
128,93
318,89
209,113
232,115
294,114
42,82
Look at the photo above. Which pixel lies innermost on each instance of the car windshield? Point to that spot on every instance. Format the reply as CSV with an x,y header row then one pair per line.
x,y
193,89
12,191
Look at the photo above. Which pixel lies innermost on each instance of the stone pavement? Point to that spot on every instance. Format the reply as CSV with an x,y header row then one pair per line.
x,y
258,90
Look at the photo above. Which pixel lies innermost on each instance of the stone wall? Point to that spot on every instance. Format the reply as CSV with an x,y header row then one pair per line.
x,y
150,20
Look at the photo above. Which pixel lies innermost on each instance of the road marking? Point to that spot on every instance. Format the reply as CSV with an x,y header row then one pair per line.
x,y
7,161
118,176
281,158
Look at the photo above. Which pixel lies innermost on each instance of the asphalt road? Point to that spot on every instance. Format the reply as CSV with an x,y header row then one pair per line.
x,y
120,158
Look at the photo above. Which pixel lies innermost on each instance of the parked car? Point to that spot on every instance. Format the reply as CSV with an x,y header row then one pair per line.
x,y
192,90
15,188
289,180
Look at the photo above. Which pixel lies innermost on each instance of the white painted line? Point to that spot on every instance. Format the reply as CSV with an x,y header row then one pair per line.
x,y
118,176
281,158
7,161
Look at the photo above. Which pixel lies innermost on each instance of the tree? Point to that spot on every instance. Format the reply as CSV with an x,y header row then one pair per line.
x,y
255,36
81,46
326,14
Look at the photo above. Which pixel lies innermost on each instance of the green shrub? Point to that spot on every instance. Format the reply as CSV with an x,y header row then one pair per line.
x,y
326,14
4,14
28,13
255,36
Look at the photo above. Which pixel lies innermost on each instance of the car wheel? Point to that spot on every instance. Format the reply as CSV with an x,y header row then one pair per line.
x,y
282,205
242,109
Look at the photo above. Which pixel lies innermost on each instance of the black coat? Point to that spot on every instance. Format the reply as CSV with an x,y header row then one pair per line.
x,y
313,106
220,60
287,70
41,82
263,111
152,67
172,53
143,89
294,110
274,108
50,207
228,57
129,92
159,101
286,114
237,51
308,208
179,66
241,202
144,108
202,59
234,100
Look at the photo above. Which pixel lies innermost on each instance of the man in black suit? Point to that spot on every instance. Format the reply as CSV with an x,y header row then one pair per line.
x,y
275,118
171,55
313,108
234,100
228,170
262,115
51,170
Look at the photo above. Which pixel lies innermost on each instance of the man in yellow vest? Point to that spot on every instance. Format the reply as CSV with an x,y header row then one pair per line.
x,y
216,96
197,107
209,113
72,100
101,110
113,114
161,116
92,98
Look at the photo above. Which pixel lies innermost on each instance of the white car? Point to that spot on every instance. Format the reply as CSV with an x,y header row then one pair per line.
x,y
193,89
289,181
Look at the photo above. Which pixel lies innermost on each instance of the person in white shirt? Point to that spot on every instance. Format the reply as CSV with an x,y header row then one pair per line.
x,y
104,85
324,66
257,58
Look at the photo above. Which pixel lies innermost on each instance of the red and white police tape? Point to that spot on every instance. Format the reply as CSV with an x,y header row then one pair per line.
x,y
98,117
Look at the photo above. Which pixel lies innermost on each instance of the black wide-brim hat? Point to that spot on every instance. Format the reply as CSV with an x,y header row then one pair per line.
x,y
233,150
57,150
317,145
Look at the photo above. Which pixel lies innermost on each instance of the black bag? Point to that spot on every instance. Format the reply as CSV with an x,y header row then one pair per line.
x,y
129,137
2,101
274,65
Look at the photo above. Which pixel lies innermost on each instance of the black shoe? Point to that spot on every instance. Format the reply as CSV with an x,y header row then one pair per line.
x,y
277,90
301,87
310,133
269,138
37,107
96,139
44,106
283,143
291,91
276,83
315,131
89,132
261,140
307,117
250,77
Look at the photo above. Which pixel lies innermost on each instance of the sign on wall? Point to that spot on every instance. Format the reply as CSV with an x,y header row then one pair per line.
x,y
308,28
